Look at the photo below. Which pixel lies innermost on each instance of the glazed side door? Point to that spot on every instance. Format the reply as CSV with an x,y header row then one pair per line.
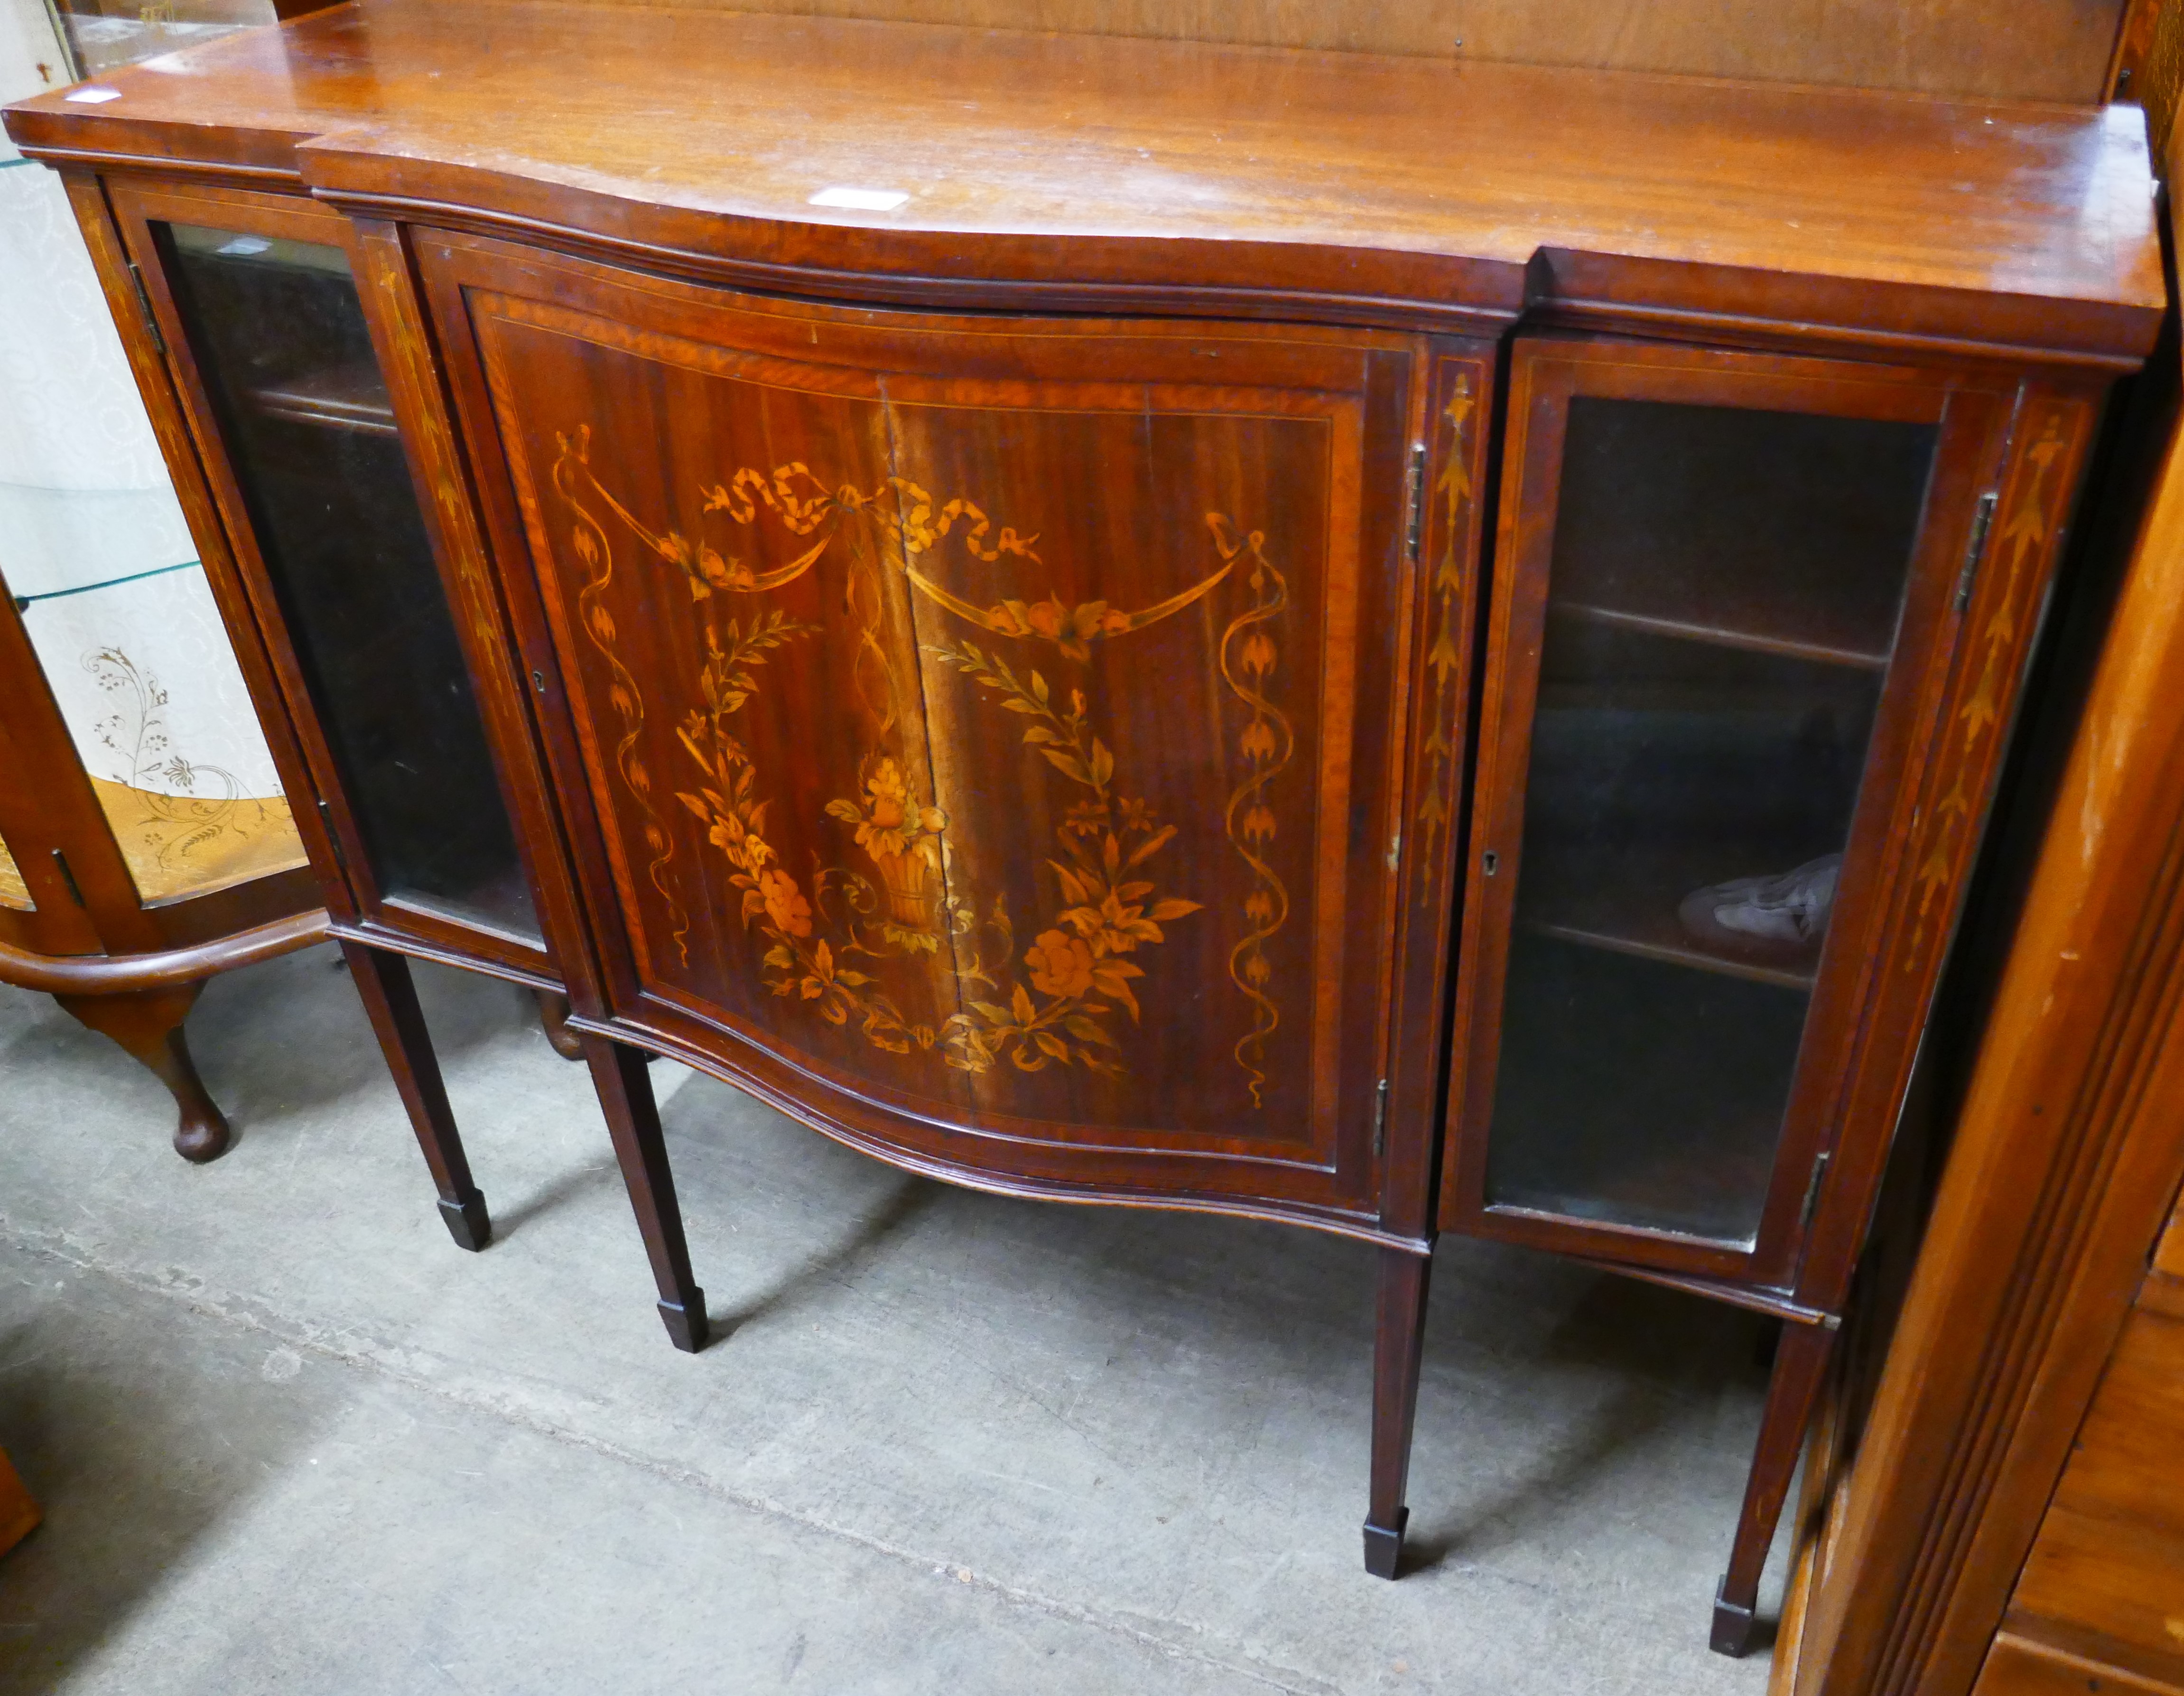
x,y
335,526
1752,654
982,735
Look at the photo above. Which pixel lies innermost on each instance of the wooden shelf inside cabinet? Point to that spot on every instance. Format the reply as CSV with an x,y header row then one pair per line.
x,y
1625,899
346,397
1663,1118
1778,532
1820,647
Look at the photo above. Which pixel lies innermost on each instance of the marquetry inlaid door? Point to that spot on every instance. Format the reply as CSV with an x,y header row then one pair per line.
x,y
1754,645
995,723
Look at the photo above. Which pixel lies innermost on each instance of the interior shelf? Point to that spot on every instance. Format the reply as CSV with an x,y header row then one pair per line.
x,y
1782,533
344,397
1659,768
1624,899
1782,642
1631,1092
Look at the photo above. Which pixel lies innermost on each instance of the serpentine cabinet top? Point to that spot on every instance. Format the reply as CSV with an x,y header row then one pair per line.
x,y
1003,168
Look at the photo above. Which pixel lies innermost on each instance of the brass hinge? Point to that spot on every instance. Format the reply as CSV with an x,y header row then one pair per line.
x,y
333,836
1981,518
68,876
1418,500
144,308
1380,1120
1812,1190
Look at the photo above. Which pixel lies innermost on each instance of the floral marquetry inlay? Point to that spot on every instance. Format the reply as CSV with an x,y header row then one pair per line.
x,y
1248,657
856,935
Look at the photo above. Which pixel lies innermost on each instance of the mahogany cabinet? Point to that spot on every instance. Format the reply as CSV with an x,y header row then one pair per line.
x,y
2004,1511
1382,644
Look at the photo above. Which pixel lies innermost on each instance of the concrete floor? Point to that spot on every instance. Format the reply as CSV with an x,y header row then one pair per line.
x,y
289,1437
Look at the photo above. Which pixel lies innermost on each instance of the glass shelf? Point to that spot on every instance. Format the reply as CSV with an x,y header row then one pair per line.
x,y
1626,900
138,664
1637,1093
1756,641
344,397
65,541
14,893
1661,768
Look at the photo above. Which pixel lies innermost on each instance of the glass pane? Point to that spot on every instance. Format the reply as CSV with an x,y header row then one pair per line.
x,y
13,891
98,561
139,665
105,35
281,337
1721,613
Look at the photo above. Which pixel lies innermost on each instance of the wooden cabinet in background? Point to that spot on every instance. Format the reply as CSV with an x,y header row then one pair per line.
x,y
961,589
120,901
2101,1599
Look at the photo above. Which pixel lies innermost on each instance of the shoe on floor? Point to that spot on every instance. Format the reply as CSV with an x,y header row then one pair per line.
x,y
1789,910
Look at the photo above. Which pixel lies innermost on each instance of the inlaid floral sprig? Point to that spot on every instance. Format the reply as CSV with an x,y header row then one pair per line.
x,y
1079,964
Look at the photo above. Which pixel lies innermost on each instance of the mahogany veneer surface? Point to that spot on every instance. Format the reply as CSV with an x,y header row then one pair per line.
x,y
970,542
2051,49
1210,166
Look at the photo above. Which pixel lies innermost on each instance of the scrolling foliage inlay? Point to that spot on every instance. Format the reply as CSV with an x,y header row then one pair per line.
x,y
1267,744
833,935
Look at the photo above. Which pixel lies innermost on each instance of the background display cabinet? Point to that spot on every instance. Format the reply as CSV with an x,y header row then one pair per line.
x,y
145,842
1100,619
120,894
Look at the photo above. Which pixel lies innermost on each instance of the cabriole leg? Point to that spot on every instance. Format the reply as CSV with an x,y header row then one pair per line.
x,y
148,1025
633,1117
1801,1363
390,997
553,1018
1398,1341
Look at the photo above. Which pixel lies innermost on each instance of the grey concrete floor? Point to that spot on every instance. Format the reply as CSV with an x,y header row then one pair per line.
x,y
289,1437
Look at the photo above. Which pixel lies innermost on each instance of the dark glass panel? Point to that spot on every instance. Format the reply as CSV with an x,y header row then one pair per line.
x,y
281,339
1721,609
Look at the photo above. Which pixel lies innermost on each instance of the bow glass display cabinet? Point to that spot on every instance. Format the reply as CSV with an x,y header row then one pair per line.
x,y
1180,659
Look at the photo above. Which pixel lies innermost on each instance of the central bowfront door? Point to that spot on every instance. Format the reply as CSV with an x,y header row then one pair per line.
x,y
991,721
